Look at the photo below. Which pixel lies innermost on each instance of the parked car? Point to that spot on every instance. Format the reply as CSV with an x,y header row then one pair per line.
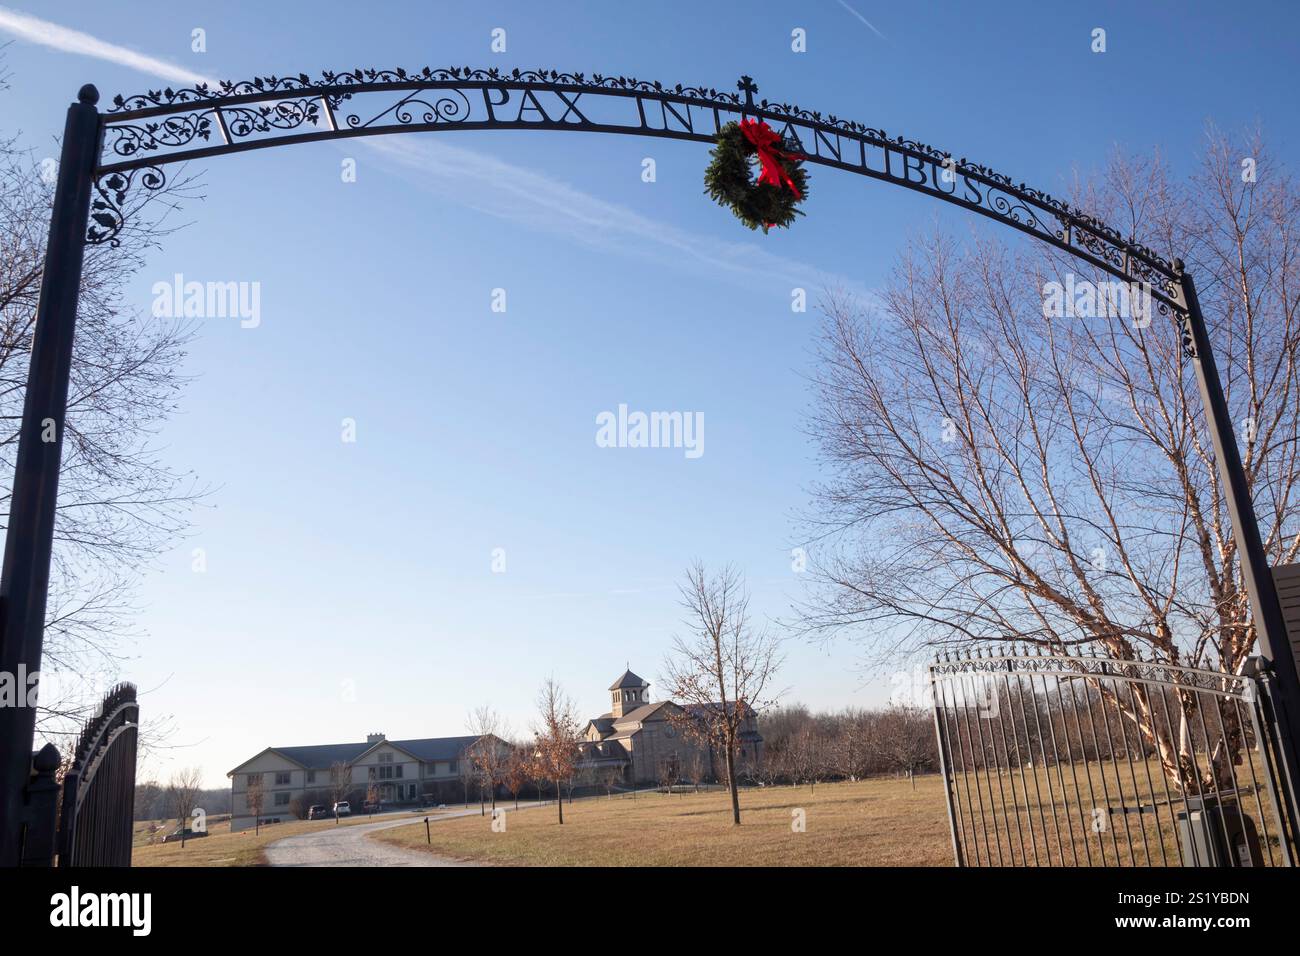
x,y
175,835
317,812
343,809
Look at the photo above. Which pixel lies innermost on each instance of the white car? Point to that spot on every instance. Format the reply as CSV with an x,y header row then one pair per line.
x,y
343,809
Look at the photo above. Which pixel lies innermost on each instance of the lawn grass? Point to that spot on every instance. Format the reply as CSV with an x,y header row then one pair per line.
x,y
870,823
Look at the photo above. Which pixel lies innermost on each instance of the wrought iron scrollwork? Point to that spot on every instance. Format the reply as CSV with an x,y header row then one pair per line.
x,y
329,80
1066,666
243,121
1188,341
108,212
132,138
453,106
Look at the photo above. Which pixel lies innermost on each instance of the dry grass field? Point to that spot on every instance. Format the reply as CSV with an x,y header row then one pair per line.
x,y
871,823
1058,816
1006,819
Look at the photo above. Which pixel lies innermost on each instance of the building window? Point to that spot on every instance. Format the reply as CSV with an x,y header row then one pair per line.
x,y
385,758
282,799
253,779
311,776
451,767
282,780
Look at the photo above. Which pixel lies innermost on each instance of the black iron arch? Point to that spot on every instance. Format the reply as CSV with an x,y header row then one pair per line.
x,y
105,155
145,132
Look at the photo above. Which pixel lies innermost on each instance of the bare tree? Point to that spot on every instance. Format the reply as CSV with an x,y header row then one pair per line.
x,y
468,774
722,671
696,769
903,739
1004,472
340,784
849,745
609,779
486,755
184,789
669,773
537,772
255,797
556,739
804,755
120,504
518,770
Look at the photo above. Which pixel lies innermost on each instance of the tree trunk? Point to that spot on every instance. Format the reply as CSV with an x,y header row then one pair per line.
x,y
559,801
731,782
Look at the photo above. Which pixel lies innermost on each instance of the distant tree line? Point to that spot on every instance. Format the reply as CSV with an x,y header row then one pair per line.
x,y
155,800
804,748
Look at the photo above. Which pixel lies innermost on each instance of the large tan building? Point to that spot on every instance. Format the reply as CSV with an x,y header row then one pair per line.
x,y
643,741
397,771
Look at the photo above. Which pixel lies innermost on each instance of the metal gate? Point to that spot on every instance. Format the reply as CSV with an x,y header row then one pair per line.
x,y
1054,760
99,789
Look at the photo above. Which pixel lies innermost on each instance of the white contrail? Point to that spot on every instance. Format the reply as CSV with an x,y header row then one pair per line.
x,y
533,199
36,30
869,24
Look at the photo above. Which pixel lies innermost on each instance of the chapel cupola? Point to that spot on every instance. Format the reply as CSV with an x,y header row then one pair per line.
x,y
628,693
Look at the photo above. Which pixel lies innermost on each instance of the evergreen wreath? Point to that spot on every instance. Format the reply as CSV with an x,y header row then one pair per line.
x,y
774,197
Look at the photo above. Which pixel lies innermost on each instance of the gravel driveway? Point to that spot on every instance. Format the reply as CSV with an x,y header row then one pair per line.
x,y
351,846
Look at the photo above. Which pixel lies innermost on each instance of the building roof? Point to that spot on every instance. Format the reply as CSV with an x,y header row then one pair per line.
x,y
641,713
715,707
628,680
320,756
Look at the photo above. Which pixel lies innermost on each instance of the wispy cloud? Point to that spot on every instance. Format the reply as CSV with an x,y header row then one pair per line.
x,y
505,191
35,30
869,24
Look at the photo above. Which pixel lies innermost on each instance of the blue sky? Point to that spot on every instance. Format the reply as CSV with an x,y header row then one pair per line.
x,y
370,562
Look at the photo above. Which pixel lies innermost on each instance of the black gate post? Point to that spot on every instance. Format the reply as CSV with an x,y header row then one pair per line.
x,y
1270,628
25,578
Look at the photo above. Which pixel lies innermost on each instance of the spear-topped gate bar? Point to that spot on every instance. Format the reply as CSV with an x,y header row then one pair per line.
x,y
107,156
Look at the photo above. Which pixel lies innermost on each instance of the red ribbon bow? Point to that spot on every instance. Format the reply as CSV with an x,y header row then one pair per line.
x,y
764,139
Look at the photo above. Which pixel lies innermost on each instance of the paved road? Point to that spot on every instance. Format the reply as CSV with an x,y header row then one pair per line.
x,y
352,846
